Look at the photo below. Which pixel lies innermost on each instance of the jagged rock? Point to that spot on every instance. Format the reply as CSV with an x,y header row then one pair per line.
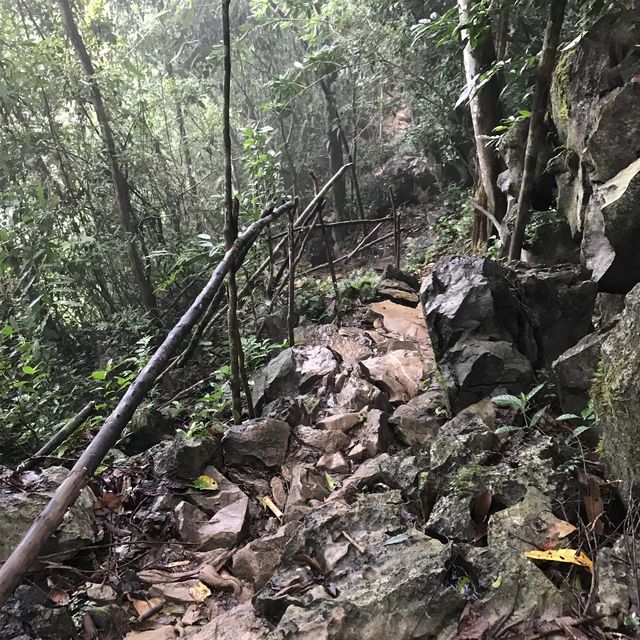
x,y
307,484
416,422
183,458
366,475
226,528
212,501
238,623
488,334
549,241
596,109
340,422
277,379
147,427
327,441
293,411
278,491
404,321
313,364
20,509
561,301
485,410
616,589
464,463
616,394
384,594
408,471
398,291
257,561
101,593
609,306
264,441
375,436
398,374
391,273
574,371
358,393
188,518
333,462
29,615
611,230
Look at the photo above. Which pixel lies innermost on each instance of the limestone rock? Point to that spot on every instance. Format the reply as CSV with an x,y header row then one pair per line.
x,y
264,441
398,374
416,422
277,379
257,561
616,394
183,458
238,623
574,371
307,484
358,393
327,441
333,462
340,422
147,427
20,509
312,364
226,528
376,436
212,501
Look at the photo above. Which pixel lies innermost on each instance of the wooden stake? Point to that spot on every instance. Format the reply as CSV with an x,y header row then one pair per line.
x,y
291,310
396,230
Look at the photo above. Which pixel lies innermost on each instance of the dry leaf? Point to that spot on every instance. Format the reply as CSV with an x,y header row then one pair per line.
x,y
205,483
143,606
559,529
594,506
562,555
200,592
480,507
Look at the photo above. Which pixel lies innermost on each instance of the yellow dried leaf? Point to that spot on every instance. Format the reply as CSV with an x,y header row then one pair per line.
x,y
206,483
562,555
200,592
142,606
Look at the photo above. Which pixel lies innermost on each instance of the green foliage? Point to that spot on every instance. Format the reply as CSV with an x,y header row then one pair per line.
x,y
522,403
586,421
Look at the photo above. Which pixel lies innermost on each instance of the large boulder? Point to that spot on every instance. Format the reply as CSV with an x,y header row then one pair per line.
x,y
277,379
492,326
616,394
596,110
263,441
20,508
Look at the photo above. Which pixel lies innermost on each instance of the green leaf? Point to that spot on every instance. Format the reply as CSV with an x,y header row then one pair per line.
x,y
507,429
401,537
497,582
205,483
537,415
568,416
331,483
28,370
507,400
534,391
578,431
99,375
7,330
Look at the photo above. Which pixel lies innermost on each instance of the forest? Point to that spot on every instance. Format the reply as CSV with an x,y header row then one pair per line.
x,y
319,319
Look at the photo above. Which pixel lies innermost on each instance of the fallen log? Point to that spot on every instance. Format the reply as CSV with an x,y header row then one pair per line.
x,y
67,493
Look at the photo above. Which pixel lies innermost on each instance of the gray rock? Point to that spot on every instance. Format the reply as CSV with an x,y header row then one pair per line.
x,y
549,240
398,373
183,458
574,371
307,484
488,334
376,436
264,441
616,394
383,594
212,501
416,422
340,422
313,363
276,379
408,471
257,561
226,528
333,462
147,428
20,509
237,623
327,441
358,393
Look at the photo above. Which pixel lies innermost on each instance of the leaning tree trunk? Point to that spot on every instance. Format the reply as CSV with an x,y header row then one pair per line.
x,y
538,112
336,159
121,186
485,111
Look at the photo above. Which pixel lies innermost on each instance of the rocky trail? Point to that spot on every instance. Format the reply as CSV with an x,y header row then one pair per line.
x,y
356,506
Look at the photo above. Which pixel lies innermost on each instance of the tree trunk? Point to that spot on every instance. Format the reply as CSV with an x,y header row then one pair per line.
x,y
121,186
231,224
336,159
538,112
485,110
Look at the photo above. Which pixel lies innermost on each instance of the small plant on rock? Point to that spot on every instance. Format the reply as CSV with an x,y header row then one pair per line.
x,y
522,403
587,420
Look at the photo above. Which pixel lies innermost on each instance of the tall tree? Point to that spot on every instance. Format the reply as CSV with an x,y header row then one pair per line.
x,y
479,56
123,195
538,112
